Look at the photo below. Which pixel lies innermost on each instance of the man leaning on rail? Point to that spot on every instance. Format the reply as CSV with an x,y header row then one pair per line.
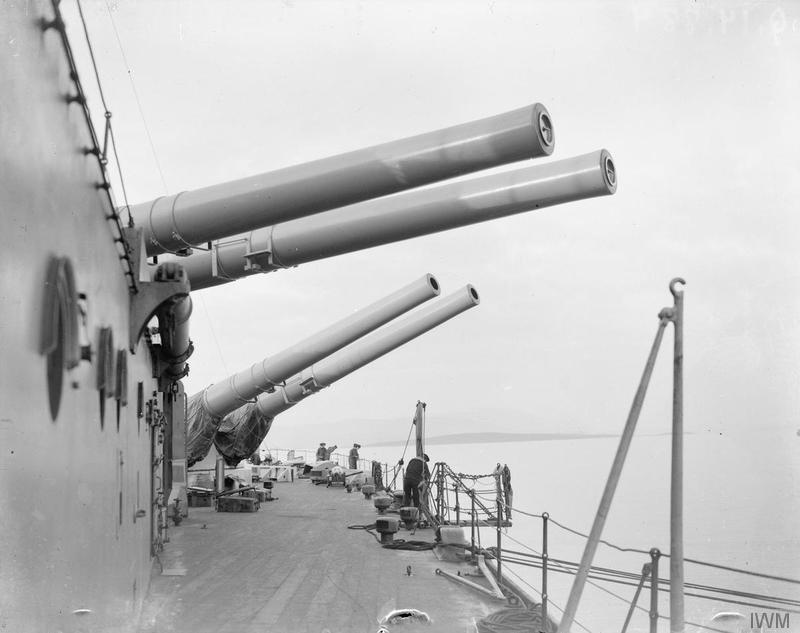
x,y
417,475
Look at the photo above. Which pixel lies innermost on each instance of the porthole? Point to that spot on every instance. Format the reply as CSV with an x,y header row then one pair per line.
x,y
59,335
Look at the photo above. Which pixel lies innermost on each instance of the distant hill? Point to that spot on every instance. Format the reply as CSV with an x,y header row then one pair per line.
x,y
393,431
507,425
490,438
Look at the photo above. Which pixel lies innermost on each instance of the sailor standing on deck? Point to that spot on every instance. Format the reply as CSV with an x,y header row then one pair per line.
x,y
322,454
354,456
417,474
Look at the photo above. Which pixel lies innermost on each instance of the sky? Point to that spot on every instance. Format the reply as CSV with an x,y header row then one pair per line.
x,y
696,101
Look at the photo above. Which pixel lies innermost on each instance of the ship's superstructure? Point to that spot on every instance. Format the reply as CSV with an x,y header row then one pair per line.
x,y
82,424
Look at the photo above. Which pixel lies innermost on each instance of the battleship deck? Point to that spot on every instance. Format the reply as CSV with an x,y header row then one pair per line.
x,y
295,566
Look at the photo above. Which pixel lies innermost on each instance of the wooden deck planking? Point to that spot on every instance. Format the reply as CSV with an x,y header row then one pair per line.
x,y
294,566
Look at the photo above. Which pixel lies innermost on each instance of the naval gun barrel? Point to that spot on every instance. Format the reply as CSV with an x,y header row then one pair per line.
x,y
241,432
206,408
226,395
176,222
403,216
337,366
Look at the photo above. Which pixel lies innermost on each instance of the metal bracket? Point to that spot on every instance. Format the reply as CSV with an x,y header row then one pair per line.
x,y
250,262
669,313
259,255
152,294
216,269
167,380
253,252
148,300
309,386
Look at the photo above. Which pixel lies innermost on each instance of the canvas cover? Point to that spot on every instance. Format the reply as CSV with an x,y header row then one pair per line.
x,y
240,433
200,429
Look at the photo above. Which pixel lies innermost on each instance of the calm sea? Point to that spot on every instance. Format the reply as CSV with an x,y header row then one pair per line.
x,y
741,509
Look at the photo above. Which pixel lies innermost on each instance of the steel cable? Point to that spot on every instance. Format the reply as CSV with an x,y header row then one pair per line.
x,y
663,554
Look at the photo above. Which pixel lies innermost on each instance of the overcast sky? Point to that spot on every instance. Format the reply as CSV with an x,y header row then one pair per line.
x,y
696,101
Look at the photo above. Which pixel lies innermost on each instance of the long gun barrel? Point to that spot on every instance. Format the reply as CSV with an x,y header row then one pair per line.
x,y
177,222
241,432
403,216
206,408
223,397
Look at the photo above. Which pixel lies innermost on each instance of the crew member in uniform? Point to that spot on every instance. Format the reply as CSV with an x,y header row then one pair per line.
x,y
354,456
322,454
417,473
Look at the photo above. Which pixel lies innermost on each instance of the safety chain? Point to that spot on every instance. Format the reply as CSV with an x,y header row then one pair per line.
x,y
473,477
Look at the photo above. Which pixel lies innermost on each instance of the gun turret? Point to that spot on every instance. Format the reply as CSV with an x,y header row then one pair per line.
x,y
403,216
205,409
241,432
177,222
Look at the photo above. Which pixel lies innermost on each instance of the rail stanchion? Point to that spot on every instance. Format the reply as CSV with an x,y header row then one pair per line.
x,y
645,573
545,558
441,502
499,526
458,509
655,554
472,520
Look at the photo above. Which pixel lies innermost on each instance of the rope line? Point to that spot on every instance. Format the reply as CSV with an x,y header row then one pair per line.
x,y
136,95
621,578
107,113
403,456
549,600
119,171
367,528
605,590
91,55
663,554
740,571
627,578
662,581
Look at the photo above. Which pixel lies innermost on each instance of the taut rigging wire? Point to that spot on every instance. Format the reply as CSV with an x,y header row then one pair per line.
x,y
403,456
663,554
619,577
136,96
107,112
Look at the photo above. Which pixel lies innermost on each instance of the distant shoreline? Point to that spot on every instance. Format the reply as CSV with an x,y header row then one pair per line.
x,y
493,438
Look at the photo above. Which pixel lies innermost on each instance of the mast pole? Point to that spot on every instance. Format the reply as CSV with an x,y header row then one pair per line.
x,y
612,481
419,423
676,605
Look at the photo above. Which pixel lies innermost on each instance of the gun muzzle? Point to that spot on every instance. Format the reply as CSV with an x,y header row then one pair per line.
x,y
404,216
176,222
